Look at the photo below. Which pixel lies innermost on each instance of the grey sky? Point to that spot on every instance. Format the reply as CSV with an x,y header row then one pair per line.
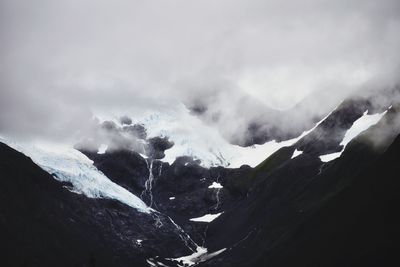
x,y
63,60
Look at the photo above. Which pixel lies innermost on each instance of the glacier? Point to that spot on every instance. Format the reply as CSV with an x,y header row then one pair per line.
x,y
192,137
67,164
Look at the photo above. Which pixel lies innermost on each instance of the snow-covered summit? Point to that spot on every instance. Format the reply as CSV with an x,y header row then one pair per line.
x,y
192,137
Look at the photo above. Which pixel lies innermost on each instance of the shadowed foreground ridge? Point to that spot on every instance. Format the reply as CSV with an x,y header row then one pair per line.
x,y
304,213
44,224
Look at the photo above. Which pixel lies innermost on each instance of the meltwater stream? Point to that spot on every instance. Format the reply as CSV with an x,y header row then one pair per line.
x,y
199,253
147,192
70,165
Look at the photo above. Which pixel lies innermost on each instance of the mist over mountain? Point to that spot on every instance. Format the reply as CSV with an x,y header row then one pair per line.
x,y
65,62
199,133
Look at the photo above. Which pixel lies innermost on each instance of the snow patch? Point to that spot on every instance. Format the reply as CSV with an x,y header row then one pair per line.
x,y
152,264
193,138
360,125
200,255
102,149
256,154
171,198
206,218
296,153
143,156
161,264
216,185
329,157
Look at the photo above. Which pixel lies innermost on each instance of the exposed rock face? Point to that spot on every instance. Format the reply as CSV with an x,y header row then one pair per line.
x,y
185,180
125,138
302,212
283,125
44,224
285,212
157,146
124,167
327,136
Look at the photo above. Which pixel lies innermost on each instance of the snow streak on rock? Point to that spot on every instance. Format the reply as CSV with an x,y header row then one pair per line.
x,y
296,153
206,218
192,137
360,125
200,255
102,149
216,185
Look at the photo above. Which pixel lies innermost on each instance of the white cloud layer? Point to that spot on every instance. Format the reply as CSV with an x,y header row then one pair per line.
x,y
62,61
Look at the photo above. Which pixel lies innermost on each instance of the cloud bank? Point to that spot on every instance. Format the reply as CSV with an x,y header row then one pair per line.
x,y
64,61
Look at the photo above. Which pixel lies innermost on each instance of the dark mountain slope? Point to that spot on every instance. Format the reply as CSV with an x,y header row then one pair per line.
x,y
44,224
124,167
185,181
356,227
288,124
258,123
262,204
303,212
284,212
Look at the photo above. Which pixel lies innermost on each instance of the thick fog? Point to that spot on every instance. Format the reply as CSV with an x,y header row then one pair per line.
x,y
63,62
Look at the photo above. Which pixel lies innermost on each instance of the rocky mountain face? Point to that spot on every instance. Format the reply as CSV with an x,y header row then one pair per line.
x,y
44,224
303,212
294,209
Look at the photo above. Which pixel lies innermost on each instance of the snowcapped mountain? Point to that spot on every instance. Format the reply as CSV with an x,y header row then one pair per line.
x,y
199,133
193,138
168,190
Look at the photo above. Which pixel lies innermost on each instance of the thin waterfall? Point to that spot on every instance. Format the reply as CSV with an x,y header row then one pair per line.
x,y
217,194
149,183
148,194
187,240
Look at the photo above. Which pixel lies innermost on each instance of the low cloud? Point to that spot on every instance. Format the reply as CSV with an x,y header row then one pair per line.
x,y
239,62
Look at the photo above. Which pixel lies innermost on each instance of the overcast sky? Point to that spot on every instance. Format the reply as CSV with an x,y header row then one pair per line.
x,y
63,60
